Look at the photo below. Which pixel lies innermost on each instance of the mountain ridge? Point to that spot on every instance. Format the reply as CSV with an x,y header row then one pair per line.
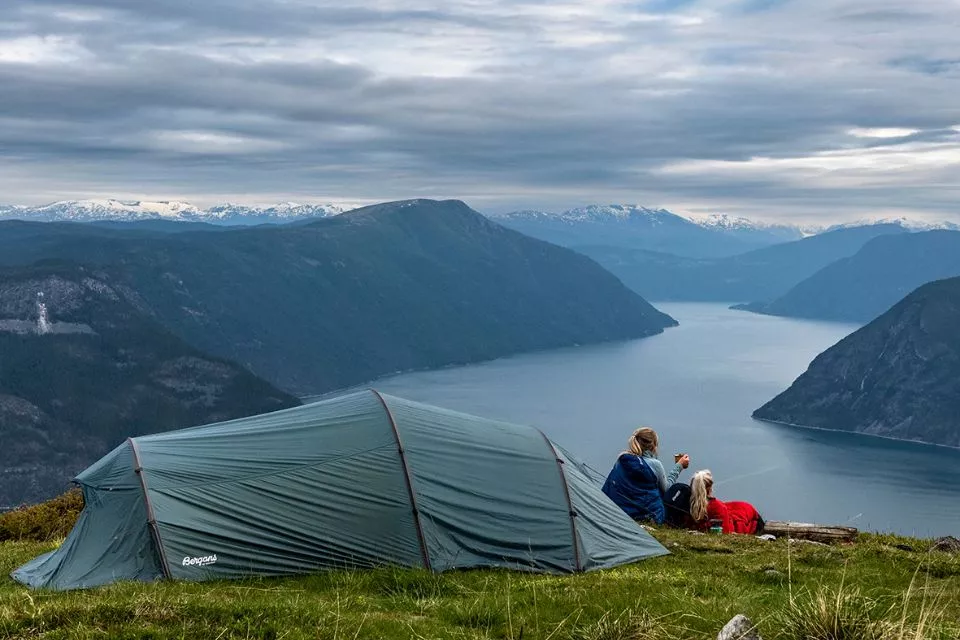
x,y
862,286
342,300
760,274
897,377
98,210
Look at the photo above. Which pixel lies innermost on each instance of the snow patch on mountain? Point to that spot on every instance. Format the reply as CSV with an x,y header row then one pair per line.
x,y
737,225
133,210
906,223
88,210
284,211
597,213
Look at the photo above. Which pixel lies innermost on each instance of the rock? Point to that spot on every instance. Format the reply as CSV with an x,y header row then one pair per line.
x,y
739,628
772,573
947,544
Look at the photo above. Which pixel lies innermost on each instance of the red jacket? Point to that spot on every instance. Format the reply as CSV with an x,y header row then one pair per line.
x,y
737,517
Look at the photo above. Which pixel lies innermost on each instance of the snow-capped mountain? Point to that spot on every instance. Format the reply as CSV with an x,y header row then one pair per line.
x,y
136,210
635,227
754,230
906,223
89,210
286,211
597,213
656,229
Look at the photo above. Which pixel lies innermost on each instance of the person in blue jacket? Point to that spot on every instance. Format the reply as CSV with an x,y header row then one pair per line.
x,y
638,480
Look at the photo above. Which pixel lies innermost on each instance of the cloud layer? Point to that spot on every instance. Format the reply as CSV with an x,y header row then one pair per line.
x,y
807,111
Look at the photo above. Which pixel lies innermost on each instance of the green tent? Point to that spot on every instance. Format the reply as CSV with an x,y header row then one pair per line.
x,y
361,480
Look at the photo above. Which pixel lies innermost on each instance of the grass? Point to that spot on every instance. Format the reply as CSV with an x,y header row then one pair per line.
x,y
882,588
44,522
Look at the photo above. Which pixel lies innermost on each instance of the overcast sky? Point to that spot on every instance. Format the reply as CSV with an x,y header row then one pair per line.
x,y
799,110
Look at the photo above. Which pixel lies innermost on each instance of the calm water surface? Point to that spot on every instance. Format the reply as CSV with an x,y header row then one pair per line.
x,y
697,385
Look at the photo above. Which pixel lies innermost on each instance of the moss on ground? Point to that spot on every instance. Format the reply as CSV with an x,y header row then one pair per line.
x,y
689,594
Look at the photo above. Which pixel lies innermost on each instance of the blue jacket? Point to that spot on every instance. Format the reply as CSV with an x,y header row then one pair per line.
x,y
635,487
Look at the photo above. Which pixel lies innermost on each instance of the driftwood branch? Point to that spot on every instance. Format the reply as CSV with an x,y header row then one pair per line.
x,y
815,532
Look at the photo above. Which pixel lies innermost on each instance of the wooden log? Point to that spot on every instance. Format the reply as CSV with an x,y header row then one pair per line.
x,y
806,531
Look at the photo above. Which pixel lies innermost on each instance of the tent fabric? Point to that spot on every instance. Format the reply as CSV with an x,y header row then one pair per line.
x,y
111,540
357,481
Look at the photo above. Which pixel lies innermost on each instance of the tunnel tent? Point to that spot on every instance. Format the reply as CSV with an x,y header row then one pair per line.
x,y
361,480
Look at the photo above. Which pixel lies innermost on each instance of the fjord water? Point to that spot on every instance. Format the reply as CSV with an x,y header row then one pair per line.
x,y
697,384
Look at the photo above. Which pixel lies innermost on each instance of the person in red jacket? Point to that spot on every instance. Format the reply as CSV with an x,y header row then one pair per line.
x,y
734,517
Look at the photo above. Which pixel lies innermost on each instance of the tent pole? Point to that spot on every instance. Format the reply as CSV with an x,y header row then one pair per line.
x,y
566,492
406,474
151,518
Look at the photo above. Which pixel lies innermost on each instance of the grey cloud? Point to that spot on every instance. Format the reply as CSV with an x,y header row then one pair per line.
x,y
182,98
933,66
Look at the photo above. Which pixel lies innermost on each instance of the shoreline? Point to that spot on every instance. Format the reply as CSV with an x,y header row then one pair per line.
x,y
858,433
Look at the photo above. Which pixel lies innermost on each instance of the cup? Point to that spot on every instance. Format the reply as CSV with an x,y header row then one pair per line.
x,y
676,457
716,526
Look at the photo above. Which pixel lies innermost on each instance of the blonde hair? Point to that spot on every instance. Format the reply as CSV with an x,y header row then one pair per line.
x,y
643,439
700,488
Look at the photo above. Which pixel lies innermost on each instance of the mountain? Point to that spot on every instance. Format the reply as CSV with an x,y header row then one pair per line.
x,y
861,287
82,368
128,211
906,223
636,227
343,300
752,231
761,274
285,212
898,376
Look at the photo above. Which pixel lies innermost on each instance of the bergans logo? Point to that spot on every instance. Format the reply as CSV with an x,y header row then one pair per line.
x,y
199,561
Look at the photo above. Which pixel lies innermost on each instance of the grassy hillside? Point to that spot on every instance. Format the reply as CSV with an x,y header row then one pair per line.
x,y
886,585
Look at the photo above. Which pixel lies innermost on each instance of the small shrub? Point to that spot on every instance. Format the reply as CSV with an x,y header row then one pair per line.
x,y
847,614
477,614
413,583
44,522
843,614
628,625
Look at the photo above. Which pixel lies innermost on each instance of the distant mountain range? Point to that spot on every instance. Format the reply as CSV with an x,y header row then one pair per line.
x,y
124,210
899,376
342,300
636,227
761,274
861,287
83,368
906,223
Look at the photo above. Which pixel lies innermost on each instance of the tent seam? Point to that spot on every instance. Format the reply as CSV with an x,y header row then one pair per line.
x,y
151,517
406,474
578,566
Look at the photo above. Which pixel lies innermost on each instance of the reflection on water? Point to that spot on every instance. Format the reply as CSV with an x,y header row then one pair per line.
x,y
697,385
